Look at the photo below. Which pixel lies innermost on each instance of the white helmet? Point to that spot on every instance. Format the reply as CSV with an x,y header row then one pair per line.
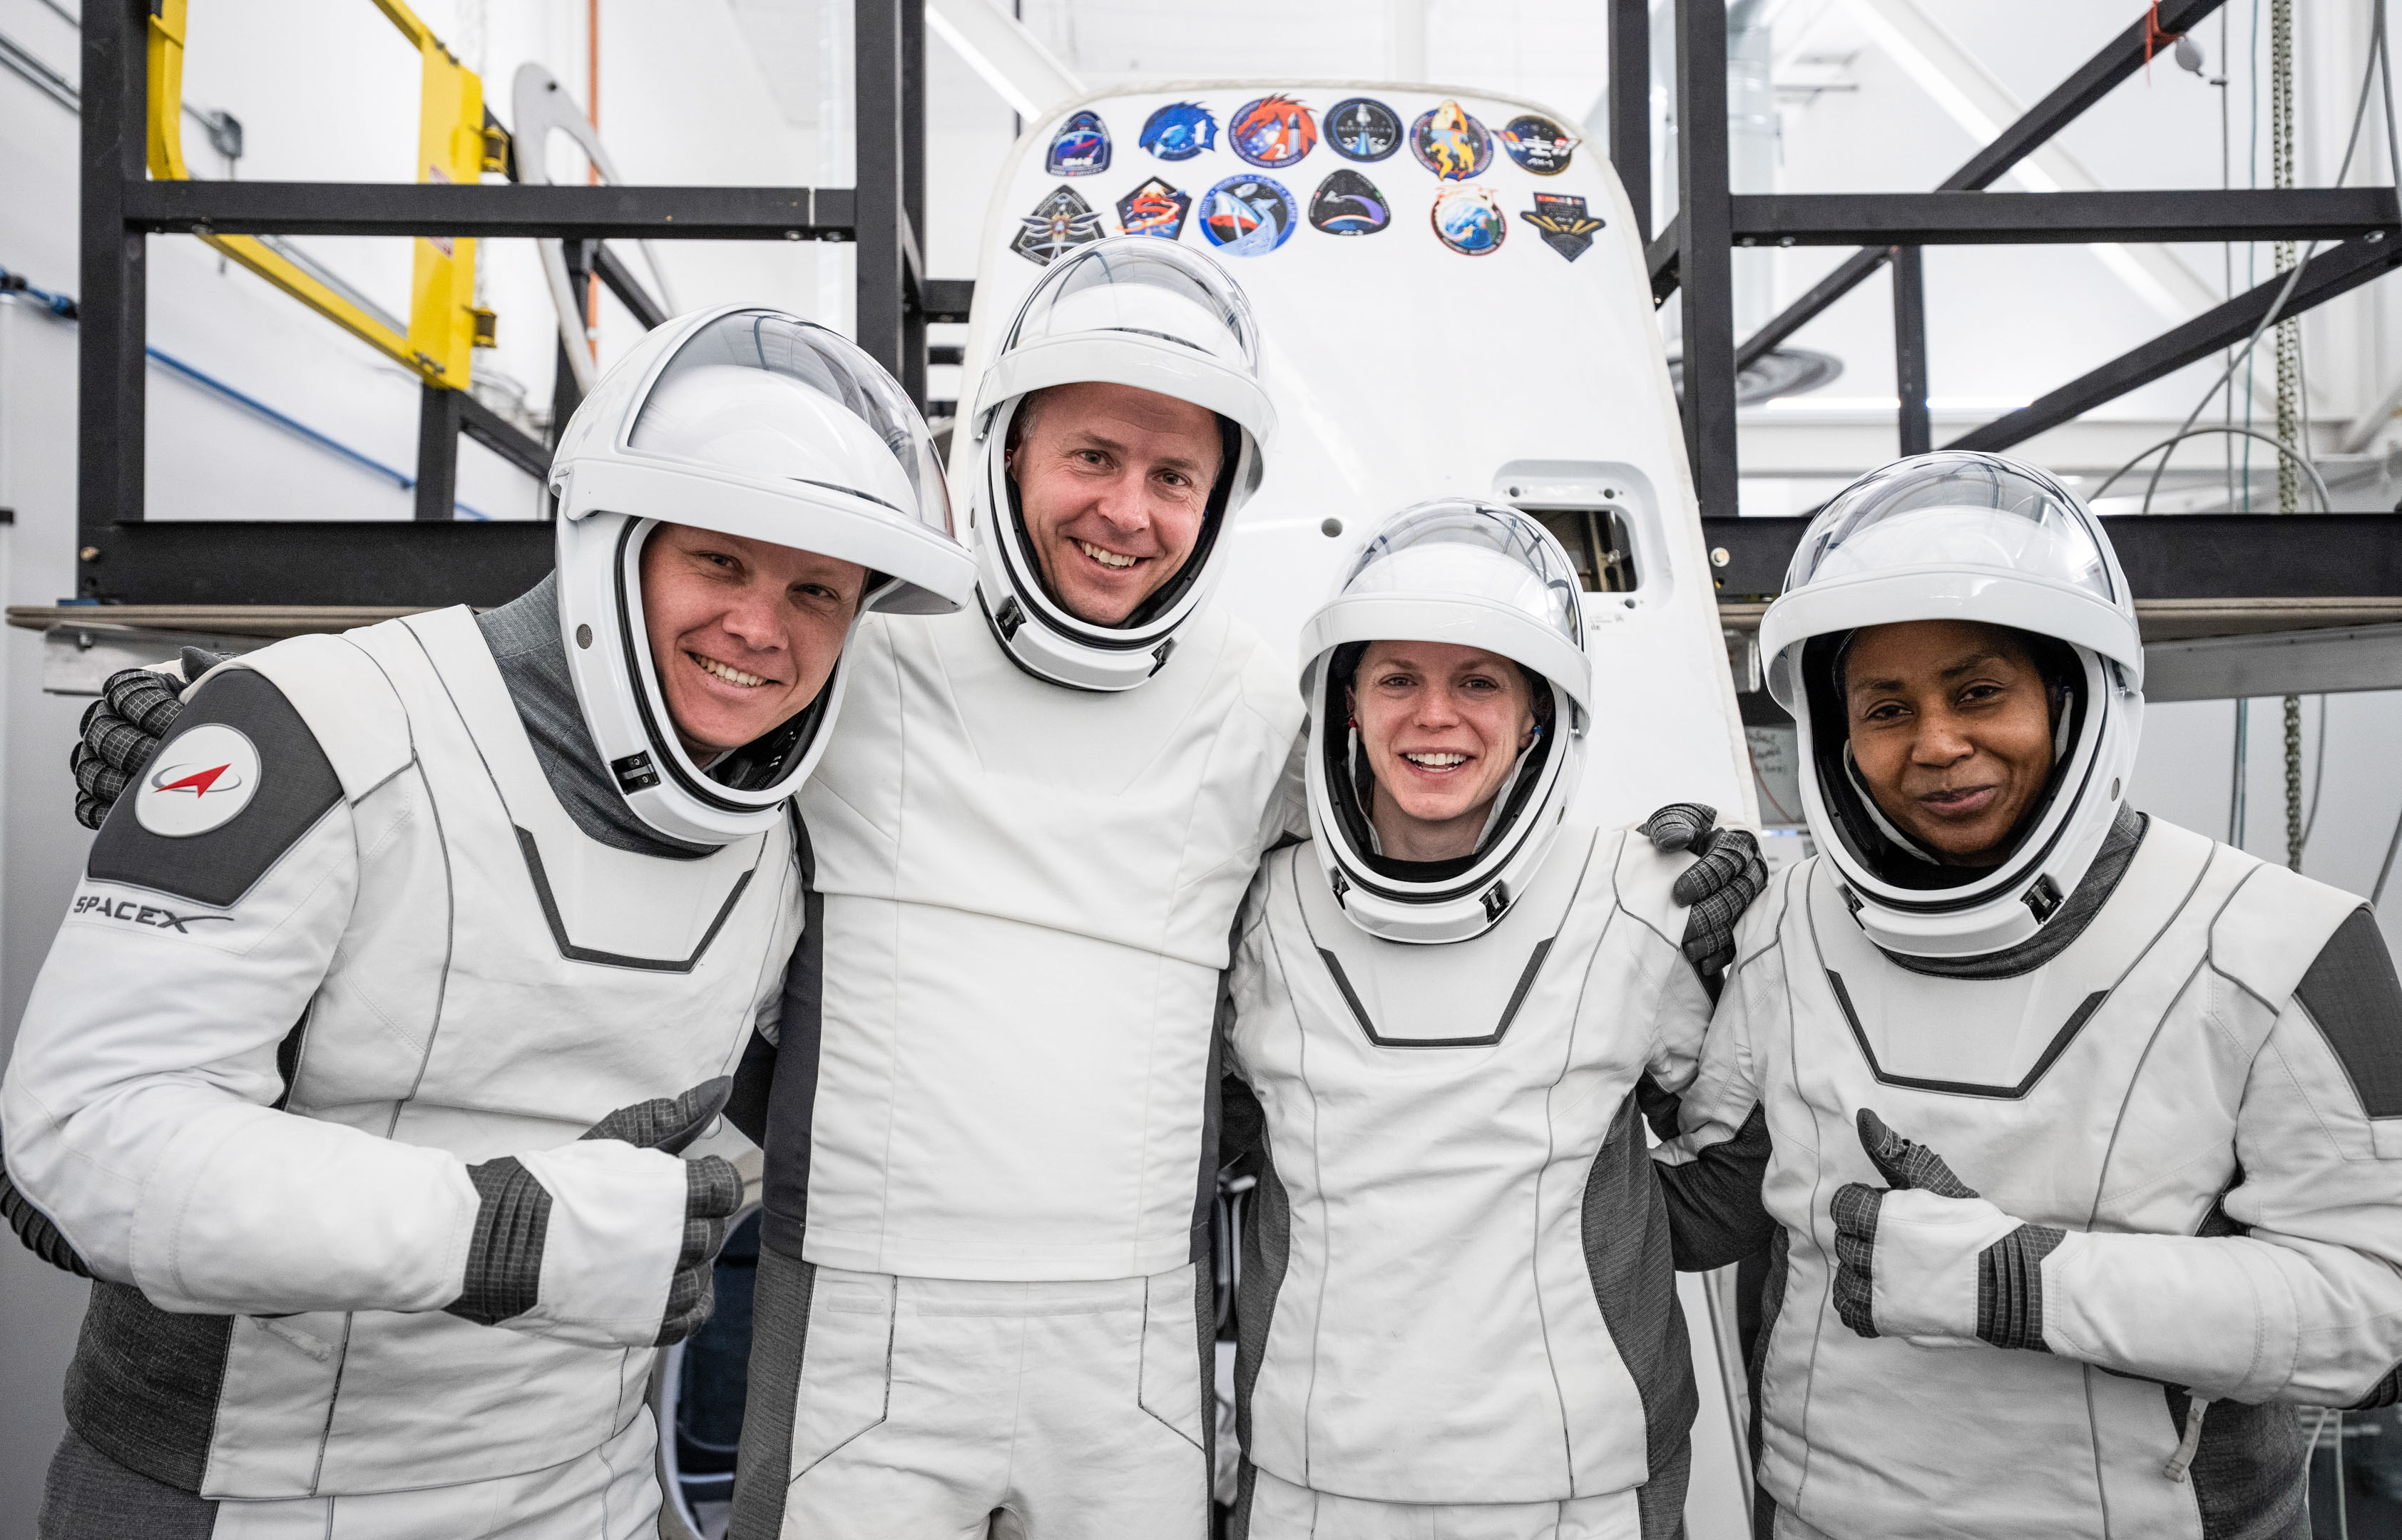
x,y
1454,570
1133,310
752,422
1971,537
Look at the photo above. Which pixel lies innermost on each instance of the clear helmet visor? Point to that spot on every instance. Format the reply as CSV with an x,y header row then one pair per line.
x,y
1954,511
1142,288
777,399
1466,550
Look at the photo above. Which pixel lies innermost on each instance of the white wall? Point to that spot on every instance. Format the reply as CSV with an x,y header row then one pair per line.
x,y
41,846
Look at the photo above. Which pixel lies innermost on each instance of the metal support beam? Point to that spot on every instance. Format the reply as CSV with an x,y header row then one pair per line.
x,y
565,394
1910,348
912,373
2009,219
2117,59
2290,663
1849,275
346,561
2325,276
605,211
437,453
1660,256
495,433
882,218
619,279
110,366
1704,263
2222,557
426,561
948,298
1630,105
2063,219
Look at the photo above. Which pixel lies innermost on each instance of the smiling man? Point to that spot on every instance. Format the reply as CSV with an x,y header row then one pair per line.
x,y
2082,1133
982,1295
1114,486
352,1076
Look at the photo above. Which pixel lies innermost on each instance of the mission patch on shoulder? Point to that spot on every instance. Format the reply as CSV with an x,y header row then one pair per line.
x,y
236,784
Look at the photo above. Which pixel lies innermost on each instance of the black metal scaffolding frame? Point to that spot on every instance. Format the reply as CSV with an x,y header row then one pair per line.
x,y
435,560
124,557
1691,257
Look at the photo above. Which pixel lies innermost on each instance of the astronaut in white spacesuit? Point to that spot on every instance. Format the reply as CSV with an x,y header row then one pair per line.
x,y
1457,1304
317,1082
991,1134
2082,1132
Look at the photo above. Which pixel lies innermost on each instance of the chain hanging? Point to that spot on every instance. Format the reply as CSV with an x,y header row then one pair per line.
x,y
2289,372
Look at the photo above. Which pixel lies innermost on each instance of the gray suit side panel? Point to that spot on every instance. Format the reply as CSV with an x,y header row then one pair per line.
x,y
780,1331
144,1386
90,1496
1267,1242
2250,1470
1628,1256
1772,1303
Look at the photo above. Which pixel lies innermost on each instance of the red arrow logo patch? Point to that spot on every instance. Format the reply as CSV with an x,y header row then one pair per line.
x,y
212,772
199,782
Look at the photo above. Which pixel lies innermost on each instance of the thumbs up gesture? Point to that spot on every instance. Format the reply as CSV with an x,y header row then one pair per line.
x,y
1927,1260
608,1241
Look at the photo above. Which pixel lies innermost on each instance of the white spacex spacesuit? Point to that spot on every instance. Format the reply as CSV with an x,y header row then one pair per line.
x,y
2172,1072
306,1081
991,1141
1456,1291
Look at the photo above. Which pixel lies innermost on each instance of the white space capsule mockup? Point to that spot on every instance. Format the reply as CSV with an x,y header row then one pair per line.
x,y
1452,300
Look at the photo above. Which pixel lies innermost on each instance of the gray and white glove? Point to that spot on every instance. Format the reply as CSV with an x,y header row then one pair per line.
x,y
610,1240
136,710
1717,887
1927,1261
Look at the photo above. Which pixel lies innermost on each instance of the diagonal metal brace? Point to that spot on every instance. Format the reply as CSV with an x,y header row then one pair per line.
x,y
2324,277
2117,59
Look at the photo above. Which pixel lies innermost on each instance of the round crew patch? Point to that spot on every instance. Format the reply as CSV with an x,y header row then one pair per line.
x,y
198,782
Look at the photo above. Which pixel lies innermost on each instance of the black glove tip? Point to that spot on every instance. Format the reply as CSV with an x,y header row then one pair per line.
x,y
699,1108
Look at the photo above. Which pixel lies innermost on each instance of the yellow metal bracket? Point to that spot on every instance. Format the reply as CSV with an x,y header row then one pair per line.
x,y
454,145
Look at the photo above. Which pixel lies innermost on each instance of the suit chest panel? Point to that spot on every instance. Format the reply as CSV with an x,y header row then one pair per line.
x,y
958,780
501,959
1496,1033
2022,1084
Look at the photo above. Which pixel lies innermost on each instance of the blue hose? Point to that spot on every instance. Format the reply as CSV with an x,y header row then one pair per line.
x,y
64,306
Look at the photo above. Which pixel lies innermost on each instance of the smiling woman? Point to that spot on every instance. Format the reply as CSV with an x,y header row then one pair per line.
x,y
1440,769
1959,650
1441,727
1951,727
